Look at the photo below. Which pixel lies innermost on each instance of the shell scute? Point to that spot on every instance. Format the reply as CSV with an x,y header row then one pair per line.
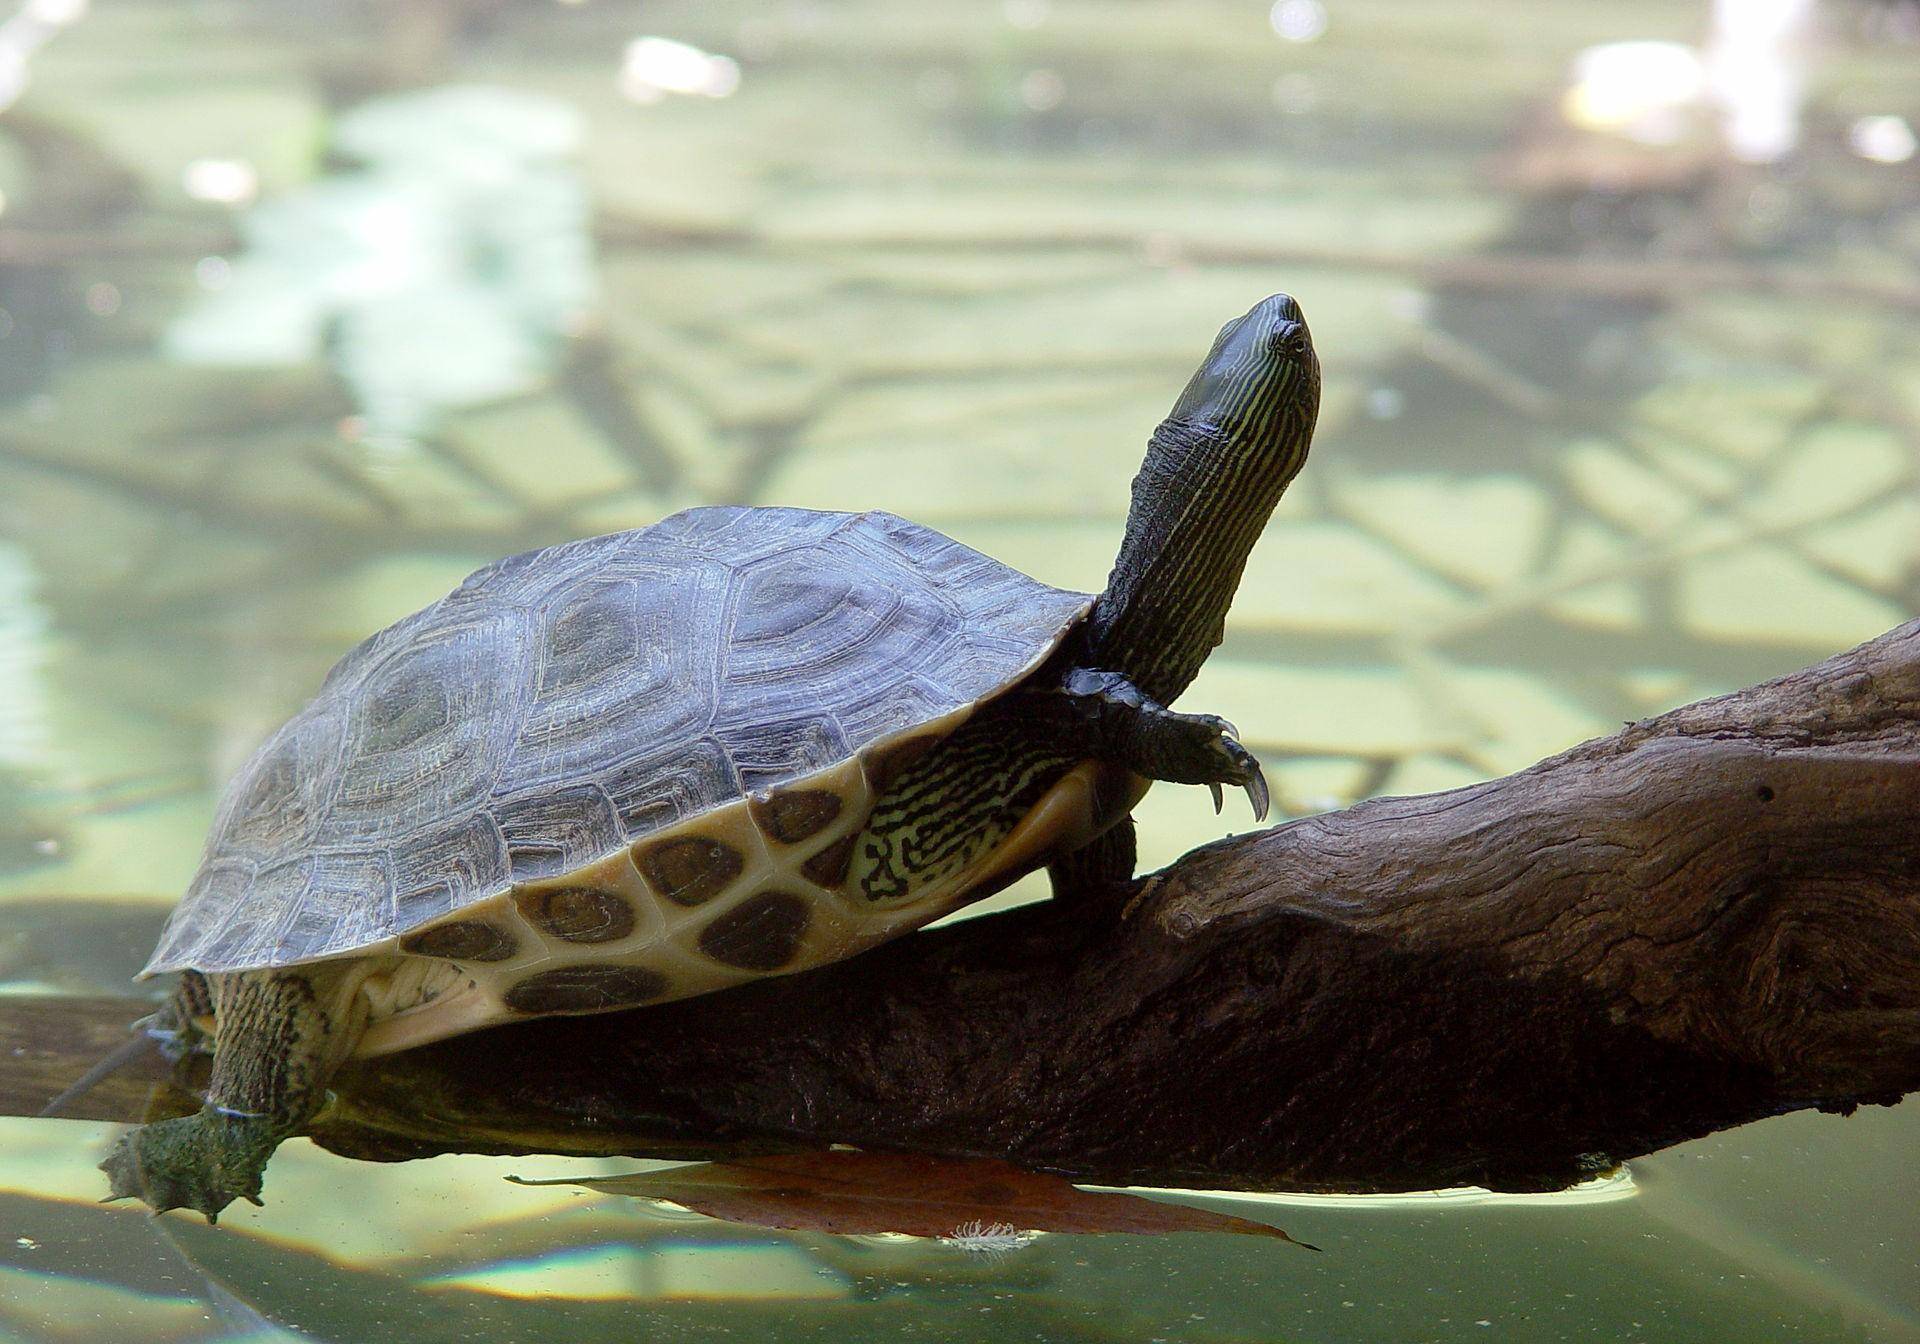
x,y
803,623
828,868
430,877
671,784
463,940
793,815
277,801
587,988
556,831
222,892
765,755
589,695
575,912
594,637
689,870
621,677
881,711
426,727
324,896
762,933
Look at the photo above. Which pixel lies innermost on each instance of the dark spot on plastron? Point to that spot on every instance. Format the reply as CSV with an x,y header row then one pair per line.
x,y
1764,793
688,871
463,940
828,868
890,762
796,814
761,933
586,989
576,914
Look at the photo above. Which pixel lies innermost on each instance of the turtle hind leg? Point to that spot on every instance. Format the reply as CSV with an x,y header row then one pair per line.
x,y
279,1036
1101,866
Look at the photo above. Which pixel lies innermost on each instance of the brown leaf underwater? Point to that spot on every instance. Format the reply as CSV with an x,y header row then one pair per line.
x,y
863,1193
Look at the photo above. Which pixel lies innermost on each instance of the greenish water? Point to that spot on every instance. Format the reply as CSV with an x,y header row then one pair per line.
x,y
305,311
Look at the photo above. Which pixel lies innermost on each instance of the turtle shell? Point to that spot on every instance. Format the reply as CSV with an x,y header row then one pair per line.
x,y
563,705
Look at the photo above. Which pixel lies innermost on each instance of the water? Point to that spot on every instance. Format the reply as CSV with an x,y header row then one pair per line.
x,y
310,309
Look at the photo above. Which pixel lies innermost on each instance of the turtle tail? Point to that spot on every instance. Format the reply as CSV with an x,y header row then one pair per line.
x,y
115,1060
169,1029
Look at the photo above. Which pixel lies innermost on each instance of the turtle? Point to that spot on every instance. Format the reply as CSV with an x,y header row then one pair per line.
x,y
741,742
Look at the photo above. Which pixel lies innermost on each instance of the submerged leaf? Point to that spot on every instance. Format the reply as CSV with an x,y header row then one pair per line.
x,y
865,1193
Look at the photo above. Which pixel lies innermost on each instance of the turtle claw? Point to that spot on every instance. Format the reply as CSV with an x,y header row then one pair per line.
x,y
201,1162
1245,771
1207,751
1256,793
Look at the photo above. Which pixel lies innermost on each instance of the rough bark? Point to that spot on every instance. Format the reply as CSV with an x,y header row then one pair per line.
x,y
1707,917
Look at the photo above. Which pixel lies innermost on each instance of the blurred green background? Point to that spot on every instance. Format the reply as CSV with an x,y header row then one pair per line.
x,y
308,309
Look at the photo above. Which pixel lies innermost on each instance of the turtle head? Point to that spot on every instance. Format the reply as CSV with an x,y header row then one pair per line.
x,y
1260,383
1215,468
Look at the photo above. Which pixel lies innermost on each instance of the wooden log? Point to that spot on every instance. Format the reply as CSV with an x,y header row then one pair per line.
x,y
1708,917
47,1042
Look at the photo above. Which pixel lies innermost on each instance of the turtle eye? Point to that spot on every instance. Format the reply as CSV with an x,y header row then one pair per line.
x,y
1289,339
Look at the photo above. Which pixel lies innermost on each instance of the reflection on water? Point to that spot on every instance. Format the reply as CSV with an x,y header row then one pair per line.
x,y
29,835
444,269
459,1253
308,310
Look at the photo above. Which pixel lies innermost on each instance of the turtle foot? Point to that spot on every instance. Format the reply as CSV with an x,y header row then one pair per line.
x,y
202,1162
1204,749
1160,743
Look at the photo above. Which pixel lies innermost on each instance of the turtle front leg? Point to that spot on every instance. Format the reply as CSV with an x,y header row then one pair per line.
x,y
279,1037
1134,730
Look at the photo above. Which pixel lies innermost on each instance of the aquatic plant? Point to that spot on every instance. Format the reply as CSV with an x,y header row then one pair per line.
x,y
992,1242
